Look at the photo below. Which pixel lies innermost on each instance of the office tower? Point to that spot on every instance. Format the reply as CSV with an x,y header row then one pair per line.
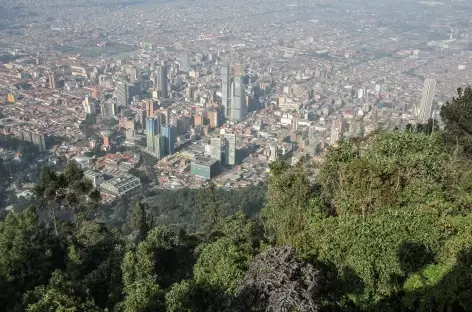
x,y
225,91
336,130
121,92
141,117
161,81
52,80
238,103
162,120
238,69
152,126
212,115
151,107
426,105
198,119
230,150
108,109
185,63
38,139
215,149
170,137
135,74
159,146
89,106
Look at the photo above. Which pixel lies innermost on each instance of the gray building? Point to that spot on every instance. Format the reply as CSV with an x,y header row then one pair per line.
x,y
426,105
122,185
185,63
121,93
204,167
226,91
161,81
238,105
159,146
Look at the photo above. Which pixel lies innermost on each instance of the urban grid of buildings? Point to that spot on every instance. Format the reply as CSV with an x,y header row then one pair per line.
x,y
222,99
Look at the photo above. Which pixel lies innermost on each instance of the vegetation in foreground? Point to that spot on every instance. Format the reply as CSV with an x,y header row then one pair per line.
x,y
386,227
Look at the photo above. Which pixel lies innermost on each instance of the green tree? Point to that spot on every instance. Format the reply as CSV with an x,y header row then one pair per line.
x,y
457,118
288,202
141,221
67,192
208,207
29,253
58,295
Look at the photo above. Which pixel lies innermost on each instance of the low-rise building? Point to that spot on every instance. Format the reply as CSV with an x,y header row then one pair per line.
x,y
124,184
205,167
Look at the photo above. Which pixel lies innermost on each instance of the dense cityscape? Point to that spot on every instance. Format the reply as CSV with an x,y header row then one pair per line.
x,y
222,99
234,156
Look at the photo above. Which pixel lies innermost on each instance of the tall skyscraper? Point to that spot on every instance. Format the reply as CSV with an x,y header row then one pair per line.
x,y
230,149
52,81
215,149
161,81
152,129
159,146
226,91
121,92
170,137
426,105
39,140
238,104
337,128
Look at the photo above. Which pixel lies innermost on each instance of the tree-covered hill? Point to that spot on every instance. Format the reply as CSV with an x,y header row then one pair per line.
x,y
386,226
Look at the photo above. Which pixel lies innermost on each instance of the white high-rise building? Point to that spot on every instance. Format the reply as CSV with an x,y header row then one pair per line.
x,y
226,91
230,150
215,149
426,105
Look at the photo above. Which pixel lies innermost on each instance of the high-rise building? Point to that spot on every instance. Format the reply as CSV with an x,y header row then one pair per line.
x,y
337,128
152,129
121,92
170,137
89,106
106,140
212,115
426,105
230,150
52,80
215,149
27,136
159,146
161,81
151,106
198,119
185,63
39,140
226,91
238,103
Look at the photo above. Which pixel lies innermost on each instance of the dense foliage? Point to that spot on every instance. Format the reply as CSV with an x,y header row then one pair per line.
x,y
386,225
